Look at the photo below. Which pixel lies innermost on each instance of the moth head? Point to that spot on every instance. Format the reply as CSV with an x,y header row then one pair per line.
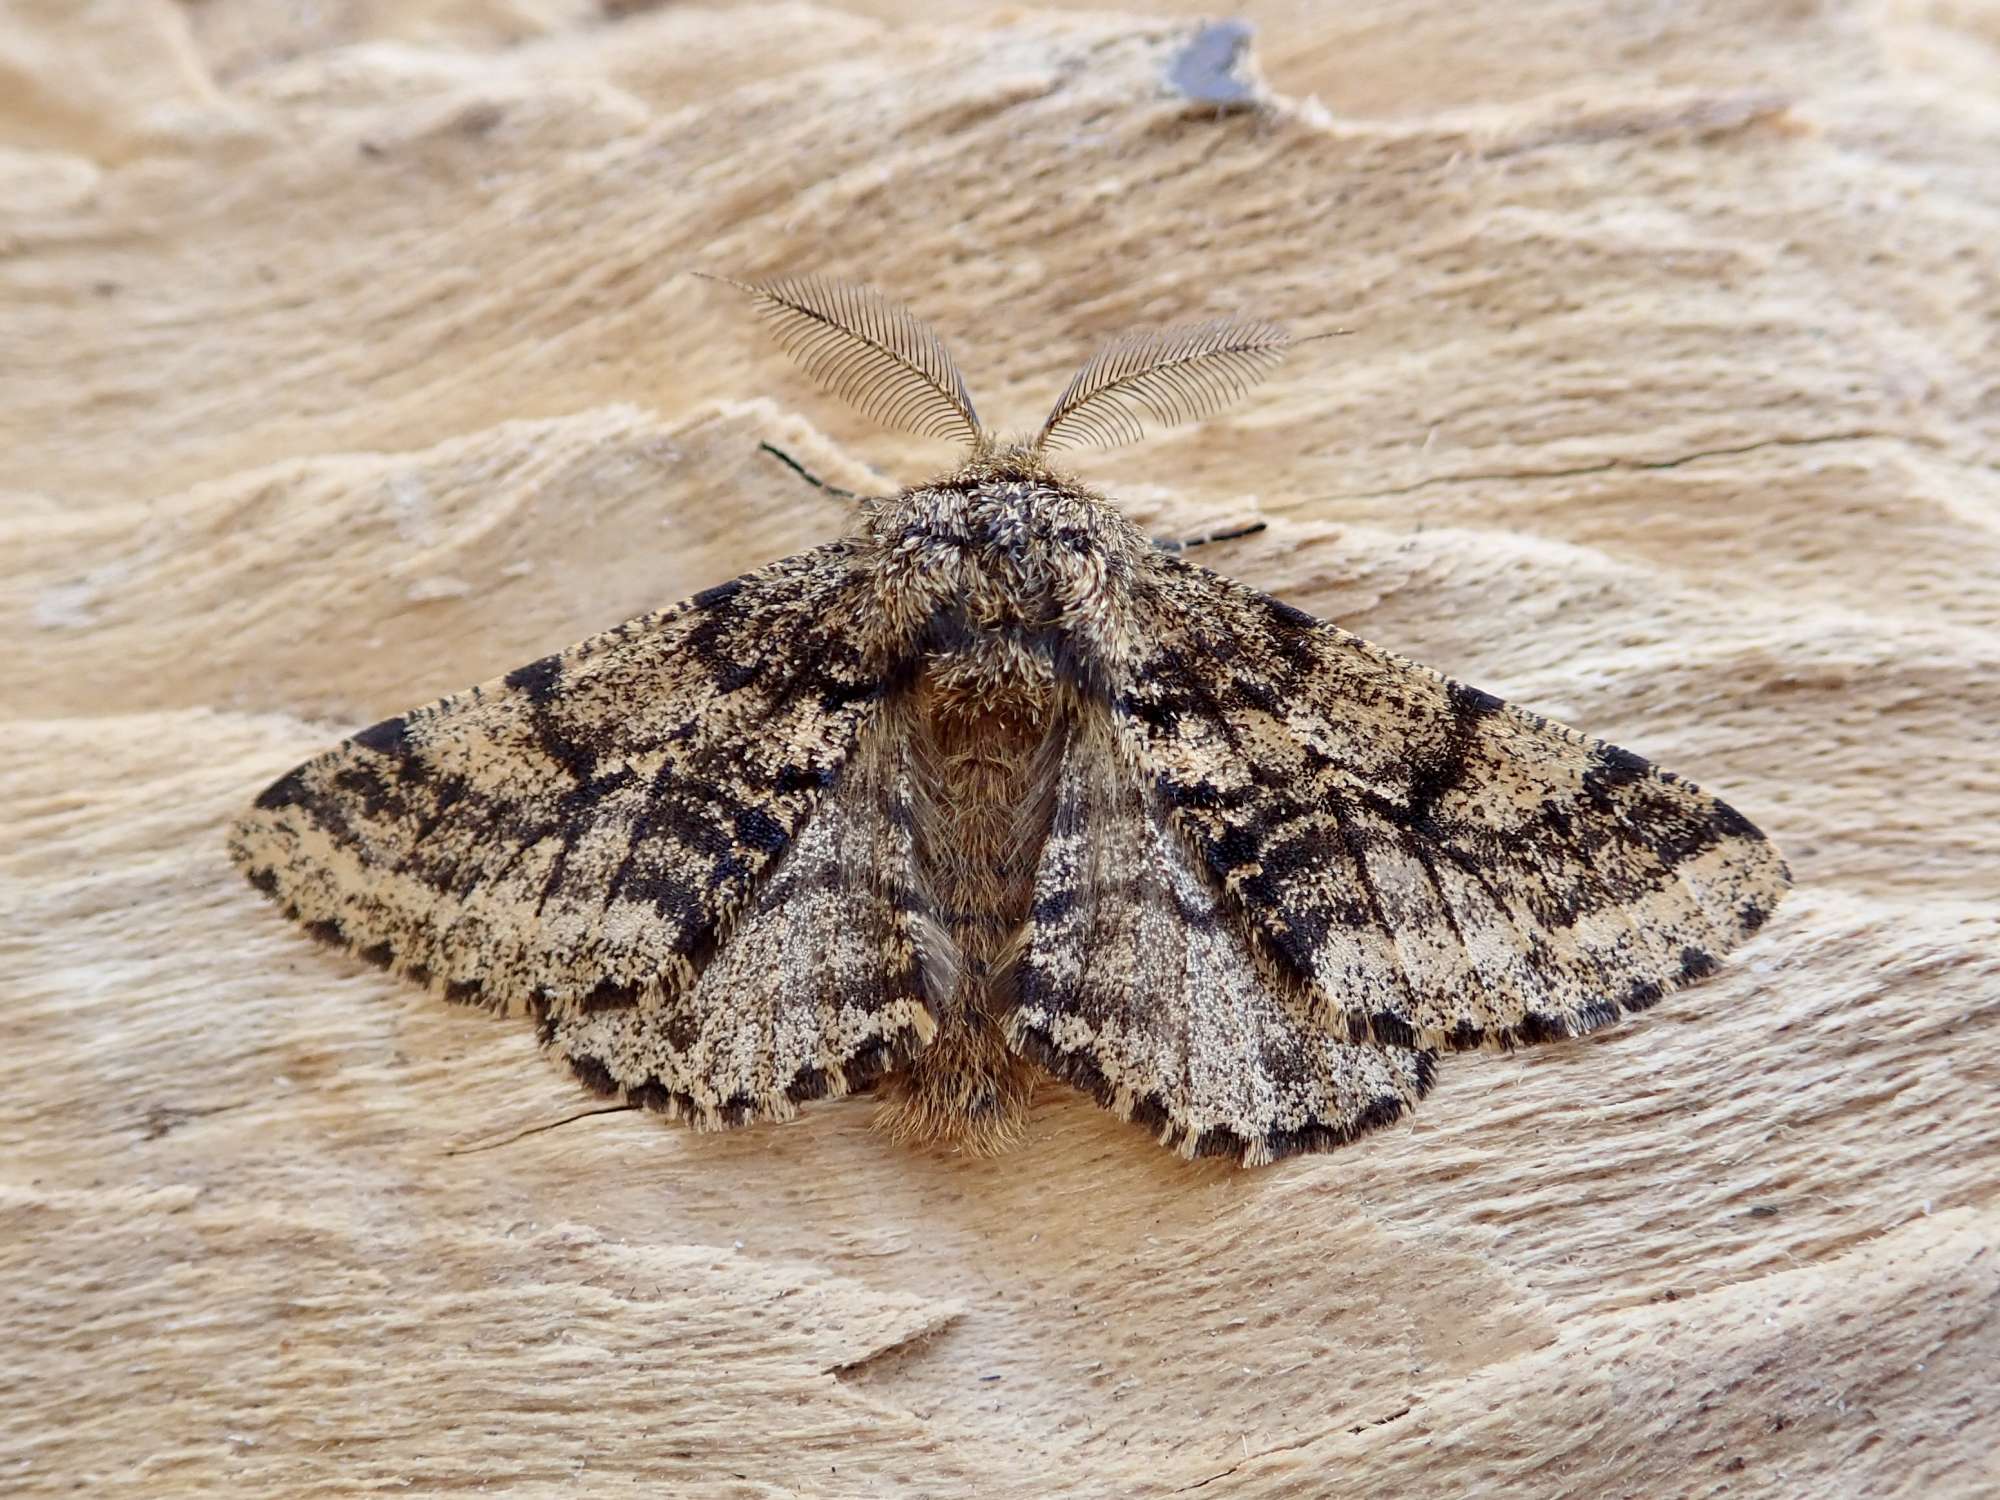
x,y
874,352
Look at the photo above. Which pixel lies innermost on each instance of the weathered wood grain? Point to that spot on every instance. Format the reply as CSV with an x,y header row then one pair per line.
x,y
344,362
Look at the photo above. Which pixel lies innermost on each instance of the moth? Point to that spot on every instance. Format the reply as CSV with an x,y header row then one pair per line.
x,y
995,786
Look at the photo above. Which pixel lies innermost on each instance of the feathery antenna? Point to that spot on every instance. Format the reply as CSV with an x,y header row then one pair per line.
x,y
869,350
1172,374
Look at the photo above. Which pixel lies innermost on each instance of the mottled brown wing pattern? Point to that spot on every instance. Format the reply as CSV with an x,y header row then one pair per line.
x,y
578,836
1436,867
1139,985
816,989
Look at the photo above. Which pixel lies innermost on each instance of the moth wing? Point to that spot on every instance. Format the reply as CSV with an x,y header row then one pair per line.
x,y
587,836
816,989
1435,866
1138,985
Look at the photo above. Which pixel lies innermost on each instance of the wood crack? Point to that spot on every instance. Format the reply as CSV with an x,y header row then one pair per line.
x,y
1614,465
524,1133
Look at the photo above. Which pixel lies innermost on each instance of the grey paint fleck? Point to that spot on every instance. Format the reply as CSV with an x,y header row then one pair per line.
x,y
1205,69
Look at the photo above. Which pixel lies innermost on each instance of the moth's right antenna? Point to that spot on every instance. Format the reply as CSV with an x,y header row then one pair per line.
x,y
1172,374
869,350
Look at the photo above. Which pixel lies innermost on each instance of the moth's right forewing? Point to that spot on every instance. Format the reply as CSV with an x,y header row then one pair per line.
x,y
578,834
1437,867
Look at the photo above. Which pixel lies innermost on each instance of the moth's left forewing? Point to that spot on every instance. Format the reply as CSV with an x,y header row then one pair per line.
x,y
1439,868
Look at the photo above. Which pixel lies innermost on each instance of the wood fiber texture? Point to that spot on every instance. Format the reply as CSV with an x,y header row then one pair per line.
x,y
344,363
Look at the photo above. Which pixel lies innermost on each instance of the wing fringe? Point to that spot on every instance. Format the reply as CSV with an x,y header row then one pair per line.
x,y
1150,1111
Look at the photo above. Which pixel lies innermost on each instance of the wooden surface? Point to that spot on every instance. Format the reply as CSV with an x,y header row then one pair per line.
x,y
344,361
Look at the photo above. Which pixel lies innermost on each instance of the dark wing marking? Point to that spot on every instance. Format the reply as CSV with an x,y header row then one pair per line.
x,y
1437,867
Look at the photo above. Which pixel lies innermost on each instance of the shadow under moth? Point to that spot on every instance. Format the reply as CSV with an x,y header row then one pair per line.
x,y
995,785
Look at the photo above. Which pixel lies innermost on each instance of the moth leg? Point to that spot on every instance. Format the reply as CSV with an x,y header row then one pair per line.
x,y
806,474
1182,544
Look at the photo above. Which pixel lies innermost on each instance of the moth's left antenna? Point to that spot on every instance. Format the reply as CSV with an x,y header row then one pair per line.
x,y
1172,375
869,350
